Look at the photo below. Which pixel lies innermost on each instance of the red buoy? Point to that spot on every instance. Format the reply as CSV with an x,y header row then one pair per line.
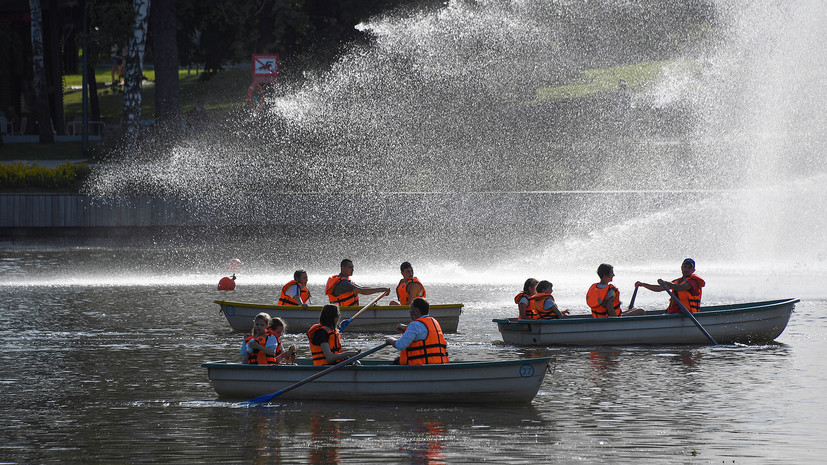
x,y
226,284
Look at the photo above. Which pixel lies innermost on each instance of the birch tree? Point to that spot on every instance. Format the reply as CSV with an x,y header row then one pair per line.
x,y
44,121
133,71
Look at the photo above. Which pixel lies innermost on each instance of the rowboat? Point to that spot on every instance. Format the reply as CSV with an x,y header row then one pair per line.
x,y
515,381
755,322
379,318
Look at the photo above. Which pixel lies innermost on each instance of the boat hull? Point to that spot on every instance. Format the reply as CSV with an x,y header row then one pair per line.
x,y
379,318
749,323
379,381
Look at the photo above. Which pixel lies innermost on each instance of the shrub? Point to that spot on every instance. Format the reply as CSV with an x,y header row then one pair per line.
x,y
24,176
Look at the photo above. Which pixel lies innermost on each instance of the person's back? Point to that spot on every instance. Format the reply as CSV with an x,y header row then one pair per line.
x,y
602,297
522,299
423,342
325,339
542,303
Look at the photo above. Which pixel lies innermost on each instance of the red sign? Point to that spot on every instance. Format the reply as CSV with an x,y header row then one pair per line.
x,y
265,68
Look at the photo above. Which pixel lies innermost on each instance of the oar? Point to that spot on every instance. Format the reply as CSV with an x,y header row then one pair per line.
x,y
268,397
634,294
344,323
688,313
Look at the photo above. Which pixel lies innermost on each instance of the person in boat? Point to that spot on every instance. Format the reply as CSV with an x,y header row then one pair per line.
x,y
341,291
521,299
276,330
258,347
541,305
295,292
604,298
325,339
409,286
422,341
688,288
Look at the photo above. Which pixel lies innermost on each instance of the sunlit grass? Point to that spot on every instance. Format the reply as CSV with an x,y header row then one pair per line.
x,y
594,81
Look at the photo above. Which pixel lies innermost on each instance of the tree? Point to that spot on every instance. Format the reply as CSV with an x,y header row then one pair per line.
x,y
44,122
164,27
133,71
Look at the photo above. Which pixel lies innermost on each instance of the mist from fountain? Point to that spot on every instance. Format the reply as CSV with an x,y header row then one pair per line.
x,y
727,138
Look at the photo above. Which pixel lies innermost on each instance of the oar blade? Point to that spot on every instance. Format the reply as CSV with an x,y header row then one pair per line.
x,y
344,324
262,399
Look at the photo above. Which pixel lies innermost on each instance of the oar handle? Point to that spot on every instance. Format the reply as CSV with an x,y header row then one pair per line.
x,y
344,323
268,397
688,313
634,294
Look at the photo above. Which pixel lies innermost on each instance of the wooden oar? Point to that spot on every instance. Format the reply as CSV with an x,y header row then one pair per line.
x,y
268,397
344,323
634,294
688,313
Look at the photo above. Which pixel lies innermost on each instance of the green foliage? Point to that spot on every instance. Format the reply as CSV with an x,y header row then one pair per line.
x,y
24,176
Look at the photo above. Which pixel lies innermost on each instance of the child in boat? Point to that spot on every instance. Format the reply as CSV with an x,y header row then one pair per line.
x,y
325,339
277,328
259,347
541,305
521,299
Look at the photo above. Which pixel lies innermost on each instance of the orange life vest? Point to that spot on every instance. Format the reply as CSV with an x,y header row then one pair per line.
x,y
344,299
529,312
334,340
402,291
535,308
258,357
432,350
285,299
691,302
596,295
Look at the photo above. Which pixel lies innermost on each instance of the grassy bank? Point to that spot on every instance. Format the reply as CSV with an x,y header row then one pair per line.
x,y
594,81
226,89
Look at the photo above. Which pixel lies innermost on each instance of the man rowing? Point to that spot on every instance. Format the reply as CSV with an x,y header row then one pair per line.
x,y
688,288
340,290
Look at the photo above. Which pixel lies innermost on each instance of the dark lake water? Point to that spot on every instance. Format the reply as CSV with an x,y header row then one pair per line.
x,y
101,349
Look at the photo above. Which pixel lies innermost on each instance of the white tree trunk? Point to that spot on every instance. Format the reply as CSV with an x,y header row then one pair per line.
x,y
44,120
133,71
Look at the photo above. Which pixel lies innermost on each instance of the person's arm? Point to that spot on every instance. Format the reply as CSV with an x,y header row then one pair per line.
x,y
651,287
245,349
296,293
286,356
523,306
554,309
609,303
414,289
415,331
333,358
684,286
370,290
268,348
